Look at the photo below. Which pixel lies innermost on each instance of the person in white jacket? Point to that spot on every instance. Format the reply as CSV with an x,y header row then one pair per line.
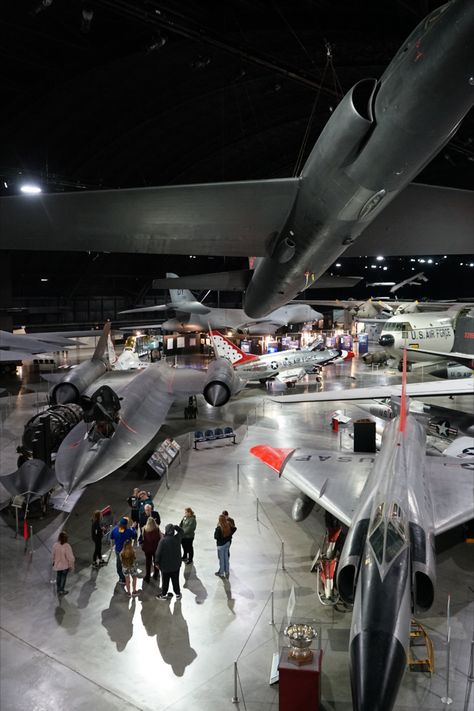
x,y
63,561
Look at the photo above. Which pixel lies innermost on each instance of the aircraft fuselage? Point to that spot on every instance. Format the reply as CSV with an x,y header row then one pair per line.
x,y
386,563
377,140
433,331
238,320
269,365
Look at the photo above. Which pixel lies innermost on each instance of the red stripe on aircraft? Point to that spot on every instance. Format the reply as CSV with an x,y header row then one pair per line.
x,y
273,457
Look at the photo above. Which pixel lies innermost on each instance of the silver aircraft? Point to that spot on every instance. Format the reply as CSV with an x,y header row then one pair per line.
x,y
192,315
395,504
286,366
353,194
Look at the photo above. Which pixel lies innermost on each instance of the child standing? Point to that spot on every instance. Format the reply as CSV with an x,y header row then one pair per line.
x,y
129,567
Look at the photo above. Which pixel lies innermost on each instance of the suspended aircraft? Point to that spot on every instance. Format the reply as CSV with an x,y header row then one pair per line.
x,y
192,315
291,364
395,504
353,194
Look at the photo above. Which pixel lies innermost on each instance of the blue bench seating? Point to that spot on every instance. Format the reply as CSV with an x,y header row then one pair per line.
x,y
218,433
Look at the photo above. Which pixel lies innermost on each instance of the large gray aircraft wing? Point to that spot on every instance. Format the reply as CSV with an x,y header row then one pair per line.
x,y
464,386
333,479
451,483
418,221
33,478
238,280
230,219
466,359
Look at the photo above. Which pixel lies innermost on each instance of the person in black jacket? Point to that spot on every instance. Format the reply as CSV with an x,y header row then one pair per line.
x,y
134,503
97,533
168,559
223,536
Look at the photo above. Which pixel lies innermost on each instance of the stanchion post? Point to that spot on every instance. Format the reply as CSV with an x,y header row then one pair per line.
x,y
447,699
470,674
283,555
166,478
31,540
272,607
235,698
256,515
238,475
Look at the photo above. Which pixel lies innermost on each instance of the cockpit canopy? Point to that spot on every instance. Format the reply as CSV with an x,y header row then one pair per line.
x,y
388,533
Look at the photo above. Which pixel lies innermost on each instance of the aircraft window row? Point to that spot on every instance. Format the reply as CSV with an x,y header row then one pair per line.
x,y
398,327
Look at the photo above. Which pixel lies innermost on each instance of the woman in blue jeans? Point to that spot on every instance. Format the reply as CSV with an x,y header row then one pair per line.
x,y
223,536
63,560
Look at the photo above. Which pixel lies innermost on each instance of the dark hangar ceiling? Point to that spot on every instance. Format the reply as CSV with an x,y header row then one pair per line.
x,y
122,93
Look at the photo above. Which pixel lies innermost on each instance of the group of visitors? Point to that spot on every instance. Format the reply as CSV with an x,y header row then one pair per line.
x,y
164,552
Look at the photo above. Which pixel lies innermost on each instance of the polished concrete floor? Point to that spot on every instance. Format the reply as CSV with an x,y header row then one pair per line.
x,y
96,648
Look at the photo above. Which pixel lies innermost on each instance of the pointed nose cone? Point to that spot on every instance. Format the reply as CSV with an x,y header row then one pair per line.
x,y
216,394
378,661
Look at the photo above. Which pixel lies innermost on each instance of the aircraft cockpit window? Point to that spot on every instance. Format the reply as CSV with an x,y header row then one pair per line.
x,y
396,511
377,517
395,540
376,541
401,326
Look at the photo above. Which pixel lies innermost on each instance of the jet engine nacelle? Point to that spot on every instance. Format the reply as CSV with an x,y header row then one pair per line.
x,y
423,568
74,383
349,562
221,383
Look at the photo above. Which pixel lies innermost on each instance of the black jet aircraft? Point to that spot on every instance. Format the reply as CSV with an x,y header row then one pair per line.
x,y
353,194
119,423
395,504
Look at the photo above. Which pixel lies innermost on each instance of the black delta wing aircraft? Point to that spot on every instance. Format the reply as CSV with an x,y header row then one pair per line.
x,y
354,188
395,506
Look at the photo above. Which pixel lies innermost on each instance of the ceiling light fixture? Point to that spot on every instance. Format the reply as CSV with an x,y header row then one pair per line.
x,y
30,189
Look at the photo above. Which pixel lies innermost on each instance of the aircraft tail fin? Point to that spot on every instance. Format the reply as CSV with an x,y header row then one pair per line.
x,y
101,346
179,297
227,349
464,333
111,351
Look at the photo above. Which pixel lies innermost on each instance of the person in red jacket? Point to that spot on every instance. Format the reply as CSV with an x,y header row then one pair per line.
x,y
151,538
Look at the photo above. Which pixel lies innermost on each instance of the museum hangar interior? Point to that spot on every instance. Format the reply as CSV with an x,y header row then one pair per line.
x,y
116,94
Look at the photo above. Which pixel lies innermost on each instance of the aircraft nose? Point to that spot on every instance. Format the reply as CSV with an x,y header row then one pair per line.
x,y
386,340
378,661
